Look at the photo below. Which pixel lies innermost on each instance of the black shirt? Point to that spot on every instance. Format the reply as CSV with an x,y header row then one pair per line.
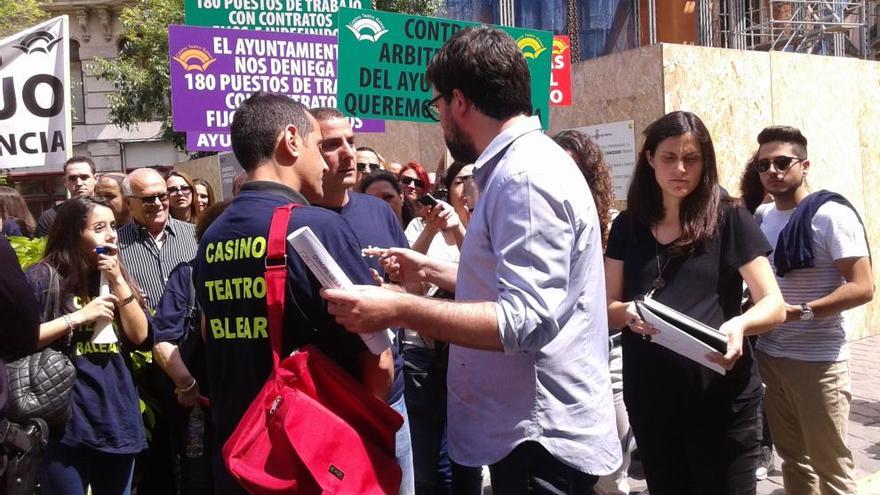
x,y
705,285
229,274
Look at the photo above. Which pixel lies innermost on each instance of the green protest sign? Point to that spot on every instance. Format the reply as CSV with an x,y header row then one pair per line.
x,y
383,56
293,16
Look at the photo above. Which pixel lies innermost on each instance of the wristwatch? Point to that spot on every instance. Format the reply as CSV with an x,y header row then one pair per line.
x,y
806,312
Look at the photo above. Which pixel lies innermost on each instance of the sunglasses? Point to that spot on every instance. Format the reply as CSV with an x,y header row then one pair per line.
x,y
405,180
152,198
780,163
363,166
179,190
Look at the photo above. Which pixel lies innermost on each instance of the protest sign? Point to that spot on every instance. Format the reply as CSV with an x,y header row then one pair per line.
x,y
35,106
292,16
214,70
383,56
560,75
221,141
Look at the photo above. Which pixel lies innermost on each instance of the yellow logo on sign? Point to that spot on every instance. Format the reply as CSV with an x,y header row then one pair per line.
x,y
559,46
194,58
530,46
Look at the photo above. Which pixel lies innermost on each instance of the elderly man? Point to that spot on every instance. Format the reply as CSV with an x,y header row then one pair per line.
x,y
151,246
154,243
79,179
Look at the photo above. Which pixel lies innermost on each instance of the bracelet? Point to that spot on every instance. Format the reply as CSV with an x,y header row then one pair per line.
x,y
126,301
69,321
187,389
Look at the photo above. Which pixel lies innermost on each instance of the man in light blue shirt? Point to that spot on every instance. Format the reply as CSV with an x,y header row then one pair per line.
x,y
529,390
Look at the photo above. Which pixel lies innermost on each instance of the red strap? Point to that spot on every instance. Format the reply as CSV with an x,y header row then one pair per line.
x,y
276,277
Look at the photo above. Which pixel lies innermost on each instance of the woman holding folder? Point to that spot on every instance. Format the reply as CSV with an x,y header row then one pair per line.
x,y
685,244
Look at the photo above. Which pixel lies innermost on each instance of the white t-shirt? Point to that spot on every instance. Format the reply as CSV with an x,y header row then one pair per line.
x,y
837,234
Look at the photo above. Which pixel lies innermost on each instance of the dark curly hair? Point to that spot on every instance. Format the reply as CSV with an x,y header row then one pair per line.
x,y
750,188
589,158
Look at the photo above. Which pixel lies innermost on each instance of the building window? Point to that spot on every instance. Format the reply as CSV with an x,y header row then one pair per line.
x,y
77,90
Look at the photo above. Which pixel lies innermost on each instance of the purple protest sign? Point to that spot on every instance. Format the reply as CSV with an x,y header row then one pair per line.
x,y
214,70
220,141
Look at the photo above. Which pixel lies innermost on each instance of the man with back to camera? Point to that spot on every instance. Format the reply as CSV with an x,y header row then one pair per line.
x,y
804,362
79,179
529,390
276,141
375,225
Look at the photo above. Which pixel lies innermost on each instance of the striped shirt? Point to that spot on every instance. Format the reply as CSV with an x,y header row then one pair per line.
x,y
148,264
837,234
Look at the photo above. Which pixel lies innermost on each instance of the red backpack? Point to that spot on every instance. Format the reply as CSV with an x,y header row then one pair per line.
x,y
312,429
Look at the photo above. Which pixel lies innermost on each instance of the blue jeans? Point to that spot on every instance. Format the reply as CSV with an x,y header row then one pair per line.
x,y
70,470
403,447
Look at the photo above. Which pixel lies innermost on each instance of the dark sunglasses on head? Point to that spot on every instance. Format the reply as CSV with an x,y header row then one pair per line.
x,y
780,163
179,190
405,180
361,166
162,197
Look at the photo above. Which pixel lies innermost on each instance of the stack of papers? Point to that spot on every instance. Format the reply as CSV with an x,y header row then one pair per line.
x,y
682,334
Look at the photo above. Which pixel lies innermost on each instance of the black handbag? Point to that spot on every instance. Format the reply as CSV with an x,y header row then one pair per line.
x,y
40,383
39,388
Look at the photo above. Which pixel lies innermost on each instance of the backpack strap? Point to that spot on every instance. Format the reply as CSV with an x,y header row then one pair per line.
x,y
276,277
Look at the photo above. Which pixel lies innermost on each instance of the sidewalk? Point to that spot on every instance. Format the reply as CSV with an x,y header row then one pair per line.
x,y
864,425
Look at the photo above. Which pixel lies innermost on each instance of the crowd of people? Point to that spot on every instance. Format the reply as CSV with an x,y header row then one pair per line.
x,y
510,281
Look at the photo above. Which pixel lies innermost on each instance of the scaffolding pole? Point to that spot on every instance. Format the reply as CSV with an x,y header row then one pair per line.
x,y
835,27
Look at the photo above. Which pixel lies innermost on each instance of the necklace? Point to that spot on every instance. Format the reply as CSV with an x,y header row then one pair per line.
x,y
658,282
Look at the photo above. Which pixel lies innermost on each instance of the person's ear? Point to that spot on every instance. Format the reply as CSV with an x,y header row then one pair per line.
x,y
290,143
805,166
650,158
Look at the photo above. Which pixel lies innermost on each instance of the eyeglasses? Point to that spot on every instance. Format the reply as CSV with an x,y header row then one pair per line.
x,y
432,110
182,190
780,163
151,199
361,166
406,180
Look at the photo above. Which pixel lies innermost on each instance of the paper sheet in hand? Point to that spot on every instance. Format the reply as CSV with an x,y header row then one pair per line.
x,y
683,334
331,276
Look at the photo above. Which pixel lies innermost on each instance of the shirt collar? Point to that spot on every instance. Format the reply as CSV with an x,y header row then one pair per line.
x,y
169,228
275,188
506,137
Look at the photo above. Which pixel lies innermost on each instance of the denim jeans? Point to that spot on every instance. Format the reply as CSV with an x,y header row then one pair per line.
x,y
69,470
403,447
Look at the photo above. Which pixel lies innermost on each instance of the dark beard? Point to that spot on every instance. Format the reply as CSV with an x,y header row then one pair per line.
x,y
460,146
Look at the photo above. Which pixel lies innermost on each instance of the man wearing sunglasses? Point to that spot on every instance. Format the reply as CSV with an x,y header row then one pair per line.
x,y
367,162
823,268
153,243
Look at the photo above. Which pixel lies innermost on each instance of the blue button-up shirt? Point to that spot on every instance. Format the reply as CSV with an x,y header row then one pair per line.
x,y
534,247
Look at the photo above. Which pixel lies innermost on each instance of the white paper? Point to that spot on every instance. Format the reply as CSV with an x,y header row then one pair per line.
x,y
331,276
102,330
676,340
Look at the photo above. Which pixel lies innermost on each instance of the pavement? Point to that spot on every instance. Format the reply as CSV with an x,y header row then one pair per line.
x,y
864,425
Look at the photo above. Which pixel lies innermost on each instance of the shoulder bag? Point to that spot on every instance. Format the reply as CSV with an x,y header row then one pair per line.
x,y
312,429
